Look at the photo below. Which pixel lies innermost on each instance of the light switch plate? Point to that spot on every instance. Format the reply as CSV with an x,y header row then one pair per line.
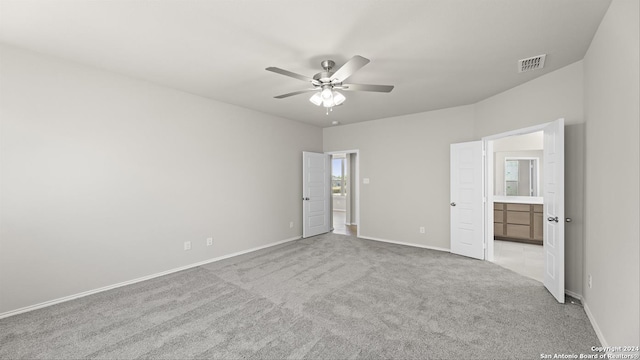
x,y
365,180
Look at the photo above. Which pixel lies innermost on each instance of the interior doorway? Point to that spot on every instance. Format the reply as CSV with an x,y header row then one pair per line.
x,y
344,192
518,233
545,214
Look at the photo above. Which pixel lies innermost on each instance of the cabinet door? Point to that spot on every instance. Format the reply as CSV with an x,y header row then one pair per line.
x,y
537,226
518,217
518,207
519,231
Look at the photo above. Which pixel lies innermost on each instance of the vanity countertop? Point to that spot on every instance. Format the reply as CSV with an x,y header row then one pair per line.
x,y
519,199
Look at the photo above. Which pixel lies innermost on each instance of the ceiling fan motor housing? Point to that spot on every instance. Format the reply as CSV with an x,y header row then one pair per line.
x,y
325,76
328,64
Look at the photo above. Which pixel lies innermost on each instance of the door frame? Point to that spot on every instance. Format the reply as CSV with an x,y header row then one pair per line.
x,y
355,178
488,184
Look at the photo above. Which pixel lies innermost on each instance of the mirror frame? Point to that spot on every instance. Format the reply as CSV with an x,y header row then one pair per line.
x,y
537,165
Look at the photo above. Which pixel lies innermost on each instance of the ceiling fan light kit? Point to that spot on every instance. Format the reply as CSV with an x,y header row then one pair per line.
x,y
326,82
316,99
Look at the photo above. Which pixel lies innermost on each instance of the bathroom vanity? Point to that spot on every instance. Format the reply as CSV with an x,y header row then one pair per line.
x,y
517,218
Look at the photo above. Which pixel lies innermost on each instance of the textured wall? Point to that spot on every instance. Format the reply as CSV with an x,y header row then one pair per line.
x,y
612,159
104,177
406,159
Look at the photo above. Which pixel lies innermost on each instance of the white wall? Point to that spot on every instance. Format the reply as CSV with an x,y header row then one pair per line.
x,y
339,202
612,156
532,141
544,99
104,177
406,159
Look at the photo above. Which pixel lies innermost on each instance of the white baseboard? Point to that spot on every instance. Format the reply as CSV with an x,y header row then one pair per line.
x,y
140,279
573,294
596,328
404,243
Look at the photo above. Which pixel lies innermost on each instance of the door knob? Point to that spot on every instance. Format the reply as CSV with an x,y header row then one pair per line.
x,y
453,204
305,198
552,218
568,220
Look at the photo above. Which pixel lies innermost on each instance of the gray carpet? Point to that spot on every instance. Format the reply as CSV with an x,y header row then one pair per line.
x,y
328,297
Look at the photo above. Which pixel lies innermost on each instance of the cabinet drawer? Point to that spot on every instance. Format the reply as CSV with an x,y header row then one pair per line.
x,y
498,230
498,206
519,231
497,216
537,208
518,217
537,226
519,207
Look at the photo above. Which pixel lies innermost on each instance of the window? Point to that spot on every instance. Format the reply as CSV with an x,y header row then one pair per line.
x,y
338,176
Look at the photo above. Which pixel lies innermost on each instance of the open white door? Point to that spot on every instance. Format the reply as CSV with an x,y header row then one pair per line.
x,y
316,197
553,230
467,218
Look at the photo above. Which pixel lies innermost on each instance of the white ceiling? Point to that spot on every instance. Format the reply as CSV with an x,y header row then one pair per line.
x,y
437,53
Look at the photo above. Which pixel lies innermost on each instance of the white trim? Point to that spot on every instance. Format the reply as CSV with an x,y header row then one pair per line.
x,y
523,131
137,280
594,324
487,146
573,294
404,243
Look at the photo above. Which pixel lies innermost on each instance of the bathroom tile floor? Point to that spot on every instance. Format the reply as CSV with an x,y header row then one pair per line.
x,y
525,259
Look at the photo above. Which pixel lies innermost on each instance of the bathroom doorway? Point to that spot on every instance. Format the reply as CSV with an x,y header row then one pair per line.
x,y
518,203
549,214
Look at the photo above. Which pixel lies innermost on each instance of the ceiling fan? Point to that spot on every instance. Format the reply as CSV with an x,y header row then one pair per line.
x,y
326,83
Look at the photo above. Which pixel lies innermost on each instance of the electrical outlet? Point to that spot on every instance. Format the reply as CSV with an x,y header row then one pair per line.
x,y
187,245
291,225
590,283
209,241
422,230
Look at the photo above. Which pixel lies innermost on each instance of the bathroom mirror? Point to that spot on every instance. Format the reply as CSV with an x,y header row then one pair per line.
x,y
521,176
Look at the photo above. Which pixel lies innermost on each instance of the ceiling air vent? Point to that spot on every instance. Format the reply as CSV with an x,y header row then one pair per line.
x,y
532,63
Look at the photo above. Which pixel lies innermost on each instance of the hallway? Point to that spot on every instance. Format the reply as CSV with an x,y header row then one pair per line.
x,y
339,226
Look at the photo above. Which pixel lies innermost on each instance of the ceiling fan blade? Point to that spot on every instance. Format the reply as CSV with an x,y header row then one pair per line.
x,y
365,87
351,66
294,93
291,74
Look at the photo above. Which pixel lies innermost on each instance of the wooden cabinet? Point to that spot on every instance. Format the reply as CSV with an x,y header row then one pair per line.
x,y
518,222
498,219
